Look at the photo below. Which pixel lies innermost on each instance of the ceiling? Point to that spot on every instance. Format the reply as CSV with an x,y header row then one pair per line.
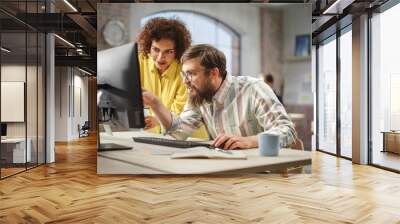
x,y
74,21
331,15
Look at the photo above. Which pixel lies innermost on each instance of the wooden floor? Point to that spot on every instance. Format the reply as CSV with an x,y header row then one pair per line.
x,y
5,172
70,191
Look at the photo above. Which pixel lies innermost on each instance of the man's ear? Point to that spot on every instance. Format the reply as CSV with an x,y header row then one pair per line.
x,y
215,73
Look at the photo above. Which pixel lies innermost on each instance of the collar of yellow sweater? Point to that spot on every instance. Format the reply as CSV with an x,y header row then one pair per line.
x,y
169,73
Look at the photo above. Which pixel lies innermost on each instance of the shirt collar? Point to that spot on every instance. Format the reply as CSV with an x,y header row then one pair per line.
x,y
221,93
171,70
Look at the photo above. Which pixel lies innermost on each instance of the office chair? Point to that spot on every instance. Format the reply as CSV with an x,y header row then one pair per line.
x,y
84,130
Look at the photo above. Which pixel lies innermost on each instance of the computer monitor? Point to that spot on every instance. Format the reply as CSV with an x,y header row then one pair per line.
x,y
3,129
119,90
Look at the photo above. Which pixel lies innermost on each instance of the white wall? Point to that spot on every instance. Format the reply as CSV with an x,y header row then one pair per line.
x,y
12,73
68,82
18,73
244,18
297,74
61,103
80,83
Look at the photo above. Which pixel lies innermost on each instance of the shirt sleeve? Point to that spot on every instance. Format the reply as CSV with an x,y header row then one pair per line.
x,y
180,99
271,115
184,124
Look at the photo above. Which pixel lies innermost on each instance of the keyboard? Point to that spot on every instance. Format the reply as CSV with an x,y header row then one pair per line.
x,y
171,142
112,147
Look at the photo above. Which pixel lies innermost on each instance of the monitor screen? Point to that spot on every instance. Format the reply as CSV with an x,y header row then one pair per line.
x,y
119,94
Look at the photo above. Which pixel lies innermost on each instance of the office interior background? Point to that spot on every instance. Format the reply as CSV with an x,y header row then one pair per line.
x,y
48,62
38,107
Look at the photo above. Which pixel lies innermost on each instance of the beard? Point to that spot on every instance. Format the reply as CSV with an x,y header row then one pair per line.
x,y
203,94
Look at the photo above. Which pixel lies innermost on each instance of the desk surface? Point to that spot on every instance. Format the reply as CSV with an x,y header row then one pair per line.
x,y
153,159
13,140
391,132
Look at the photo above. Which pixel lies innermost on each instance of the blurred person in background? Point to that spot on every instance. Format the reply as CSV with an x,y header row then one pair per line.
x,y
269,79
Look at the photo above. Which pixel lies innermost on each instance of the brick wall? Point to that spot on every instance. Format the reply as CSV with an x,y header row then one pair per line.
x,y
272,45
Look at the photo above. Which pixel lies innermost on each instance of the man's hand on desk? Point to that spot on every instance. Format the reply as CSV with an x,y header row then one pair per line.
x,y
235,142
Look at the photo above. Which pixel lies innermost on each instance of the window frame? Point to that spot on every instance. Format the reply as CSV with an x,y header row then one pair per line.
x,y
333,37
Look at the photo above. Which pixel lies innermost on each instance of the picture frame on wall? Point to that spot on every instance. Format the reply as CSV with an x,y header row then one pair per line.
x,y
302,46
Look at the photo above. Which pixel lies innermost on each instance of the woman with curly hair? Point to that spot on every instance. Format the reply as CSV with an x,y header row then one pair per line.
x,y
161,43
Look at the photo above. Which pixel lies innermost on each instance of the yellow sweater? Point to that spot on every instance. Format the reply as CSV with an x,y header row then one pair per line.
x,y
168,87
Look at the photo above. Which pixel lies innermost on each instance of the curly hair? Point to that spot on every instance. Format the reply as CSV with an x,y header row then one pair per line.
x,y
162,28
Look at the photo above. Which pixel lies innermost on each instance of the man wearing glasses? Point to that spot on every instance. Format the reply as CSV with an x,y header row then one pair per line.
x,y
233,109
161,43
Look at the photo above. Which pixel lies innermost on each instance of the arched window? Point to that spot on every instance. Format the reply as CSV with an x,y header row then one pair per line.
x,y
208,30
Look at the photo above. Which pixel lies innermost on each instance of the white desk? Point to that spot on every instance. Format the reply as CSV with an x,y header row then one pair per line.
x,y
18,150
153,159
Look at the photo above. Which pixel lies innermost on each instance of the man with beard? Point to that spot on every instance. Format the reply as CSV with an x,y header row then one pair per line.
x,y
233,109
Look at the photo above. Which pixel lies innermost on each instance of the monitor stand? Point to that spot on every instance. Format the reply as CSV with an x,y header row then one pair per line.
x,y
108,130
111,146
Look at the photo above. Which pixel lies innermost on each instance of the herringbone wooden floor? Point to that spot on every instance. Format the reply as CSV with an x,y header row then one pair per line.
x,y
70,191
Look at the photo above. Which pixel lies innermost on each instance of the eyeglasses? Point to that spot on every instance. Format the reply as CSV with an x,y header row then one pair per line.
x,y
189,74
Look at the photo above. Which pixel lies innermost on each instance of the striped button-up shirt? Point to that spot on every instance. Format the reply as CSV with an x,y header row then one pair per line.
x,y
242,106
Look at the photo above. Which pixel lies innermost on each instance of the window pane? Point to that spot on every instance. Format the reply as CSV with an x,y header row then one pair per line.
x,y
13,82
385,86
346,94
327,97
